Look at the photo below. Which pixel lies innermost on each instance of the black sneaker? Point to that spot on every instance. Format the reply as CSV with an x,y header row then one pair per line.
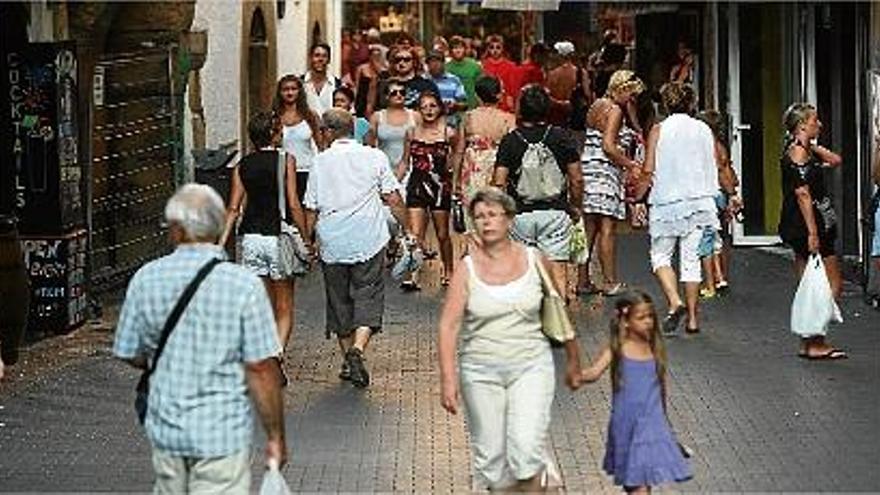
x,y
672,321
359,376
345,372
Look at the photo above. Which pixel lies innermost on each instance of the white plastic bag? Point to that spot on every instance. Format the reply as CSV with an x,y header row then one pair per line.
x,y
813,306
579,248
273,482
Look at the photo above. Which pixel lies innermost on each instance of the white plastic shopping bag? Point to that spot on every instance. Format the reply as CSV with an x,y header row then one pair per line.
x,y
813,306
273,482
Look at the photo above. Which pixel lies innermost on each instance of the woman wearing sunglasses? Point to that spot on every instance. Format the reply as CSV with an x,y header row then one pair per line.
x,y
428,153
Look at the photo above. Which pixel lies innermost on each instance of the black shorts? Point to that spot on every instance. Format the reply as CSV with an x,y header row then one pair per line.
x,y
424,192
826,245
355,295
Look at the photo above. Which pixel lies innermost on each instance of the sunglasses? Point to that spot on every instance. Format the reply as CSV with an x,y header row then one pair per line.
x,y
403,59
397,92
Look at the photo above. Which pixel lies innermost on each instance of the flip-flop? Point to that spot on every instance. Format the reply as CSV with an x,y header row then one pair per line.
x,y
830,355
410,286
615,289
589,290
692,330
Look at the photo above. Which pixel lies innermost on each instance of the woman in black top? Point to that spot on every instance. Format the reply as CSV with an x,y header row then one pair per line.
x,y
255,179
807,222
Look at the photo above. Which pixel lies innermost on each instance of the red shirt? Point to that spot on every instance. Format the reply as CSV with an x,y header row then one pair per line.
x,y
509,74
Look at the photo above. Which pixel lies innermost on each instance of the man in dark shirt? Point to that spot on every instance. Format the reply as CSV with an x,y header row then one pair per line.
x,y
544,224
405,63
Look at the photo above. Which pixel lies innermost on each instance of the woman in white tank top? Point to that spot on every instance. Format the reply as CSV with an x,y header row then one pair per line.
x,y
300,136
505,370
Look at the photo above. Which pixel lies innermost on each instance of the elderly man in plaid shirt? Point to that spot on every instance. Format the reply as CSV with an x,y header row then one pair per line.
x,y
220,356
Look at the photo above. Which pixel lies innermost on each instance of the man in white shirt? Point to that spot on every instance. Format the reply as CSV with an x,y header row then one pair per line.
x,y
344,197
318,85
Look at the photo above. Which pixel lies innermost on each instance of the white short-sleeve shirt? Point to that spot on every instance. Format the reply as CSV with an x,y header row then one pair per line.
x,y
345,188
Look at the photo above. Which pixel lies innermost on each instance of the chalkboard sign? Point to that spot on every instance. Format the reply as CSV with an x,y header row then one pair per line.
x,y
42,148
56,268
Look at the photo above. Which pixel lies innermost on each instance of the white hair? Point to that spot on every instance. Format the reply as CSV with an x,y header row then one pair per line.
x,y
198,210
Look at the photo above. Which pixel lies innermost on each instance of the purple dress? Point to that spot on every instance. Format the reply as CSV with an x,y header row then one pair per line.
x,y
641,449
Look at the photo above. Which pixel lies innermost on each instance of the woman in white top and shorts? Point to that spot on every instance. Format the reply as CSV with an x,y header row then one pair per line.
x,y
681,171
300,137
505,367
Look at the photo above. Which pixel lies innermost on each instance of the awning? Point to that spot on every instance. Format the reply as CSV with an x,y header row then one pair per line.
x,y
524,5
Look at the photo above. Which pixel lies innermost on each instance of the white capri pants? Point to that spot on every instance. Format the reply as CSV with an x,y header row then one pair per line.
x,y
508,414
689,268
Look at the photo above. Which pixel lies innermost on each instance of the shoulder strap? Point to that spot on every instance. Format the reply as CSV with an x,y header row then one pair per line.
x,y
281,173
546,131
176,313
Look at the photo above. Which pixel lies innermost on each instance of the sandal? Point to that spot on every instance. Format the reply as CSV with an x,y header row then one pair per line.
x,y
829,355
588,290
410,286
444,282
615,289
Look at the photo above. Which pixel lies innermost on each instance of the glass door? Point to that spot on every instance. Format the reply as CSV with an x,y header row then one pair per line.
x,y
764,77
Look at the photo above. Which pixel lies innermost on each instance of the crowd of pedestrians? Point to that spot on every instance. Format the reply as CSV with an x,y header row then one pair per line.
x,y
352,170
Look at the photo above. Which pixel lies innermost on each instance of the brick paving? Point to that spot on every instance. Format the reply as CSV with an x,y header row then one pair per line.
x,y
758,418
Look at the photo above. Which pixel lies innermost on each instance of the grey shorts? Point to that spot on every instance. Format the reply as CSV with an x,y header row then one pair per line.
x,y
547,230
355,295
259,254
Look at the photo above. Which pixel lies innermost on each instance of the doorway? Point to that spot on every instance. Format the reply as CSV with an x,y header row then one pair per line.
x,y
768,58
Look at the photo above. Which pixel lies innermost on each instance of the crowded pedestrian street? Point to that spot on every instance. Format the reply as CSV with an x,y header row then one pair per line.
x,y
423,246
756,418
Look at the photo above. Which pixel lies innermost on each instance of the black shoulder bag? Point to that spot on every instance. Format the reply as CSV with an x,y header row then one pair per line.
x,y
143,386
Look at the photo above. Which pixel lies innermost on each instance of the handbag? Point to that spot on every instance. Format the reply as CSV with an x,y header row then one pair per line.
x,y
555,322
142,390
293,255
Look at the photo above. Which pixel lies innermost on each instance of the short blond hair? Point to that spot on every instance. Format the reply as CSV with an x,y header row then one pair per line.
x,y
495,196
624,81
796,114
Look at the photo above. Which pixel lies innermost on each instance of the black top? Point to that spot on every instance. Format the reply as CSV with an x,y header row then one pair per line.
x,y
259,174
360,99
511,151
791,221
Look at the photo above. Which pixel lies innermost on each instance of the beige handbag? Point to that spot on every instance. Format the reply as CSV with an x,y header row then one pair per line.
x,y
554,316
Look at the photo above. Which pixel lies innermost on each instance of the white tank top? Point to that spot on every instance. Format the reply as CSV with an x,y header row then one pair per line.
x,y
685,161
298,141
502,323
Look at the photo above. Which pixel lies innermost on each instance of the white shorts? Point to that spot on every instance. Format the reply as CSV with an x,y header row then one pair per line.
x,y
508,415
663,247
259,254
547,230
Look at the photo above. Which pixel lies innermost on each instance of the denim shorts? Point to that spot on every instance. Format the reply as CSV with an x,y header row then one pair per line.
x,y
547,230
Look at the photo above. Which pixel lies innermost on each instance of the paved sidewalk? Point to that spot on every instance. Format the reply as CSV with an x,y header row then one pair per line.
x,y
758,418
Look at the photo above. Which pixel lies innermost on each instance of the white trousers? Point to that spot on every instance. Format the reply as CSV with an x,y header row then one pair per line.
x,y
508,414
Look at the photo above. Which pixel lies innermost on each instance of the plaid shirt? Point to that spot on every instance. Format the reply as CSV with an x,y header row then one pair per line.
x,y
199,404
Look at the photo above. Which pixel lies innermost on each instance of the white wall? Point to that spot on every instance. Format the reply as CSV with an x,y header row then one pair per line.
x,y
221,74
293,38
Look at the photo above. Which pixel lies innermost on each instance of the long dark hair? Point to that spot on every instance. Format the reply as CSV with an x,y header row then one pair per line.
x,y
623,308
301,104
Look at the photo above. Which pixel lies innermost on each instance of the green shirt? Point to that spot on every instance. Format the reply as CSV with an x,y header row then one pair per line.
x,y
468,70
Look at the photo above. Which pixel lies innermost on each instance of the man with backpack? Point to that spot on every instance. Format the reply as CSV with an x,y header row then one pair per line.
x,y
539,166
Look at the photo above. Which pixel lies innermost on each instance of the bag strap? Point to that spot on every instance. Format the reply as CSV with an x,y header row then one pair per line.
x,y
282,172
176,313
546,281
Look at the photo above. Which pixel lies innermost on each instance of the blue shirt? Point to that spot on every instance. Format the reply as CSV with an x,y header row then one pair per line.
x,y
345,188
451,91
199,404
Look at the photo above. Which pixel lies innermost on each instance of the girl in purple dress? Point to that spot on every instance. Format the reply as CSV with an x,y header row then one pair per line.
x,y
641,450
